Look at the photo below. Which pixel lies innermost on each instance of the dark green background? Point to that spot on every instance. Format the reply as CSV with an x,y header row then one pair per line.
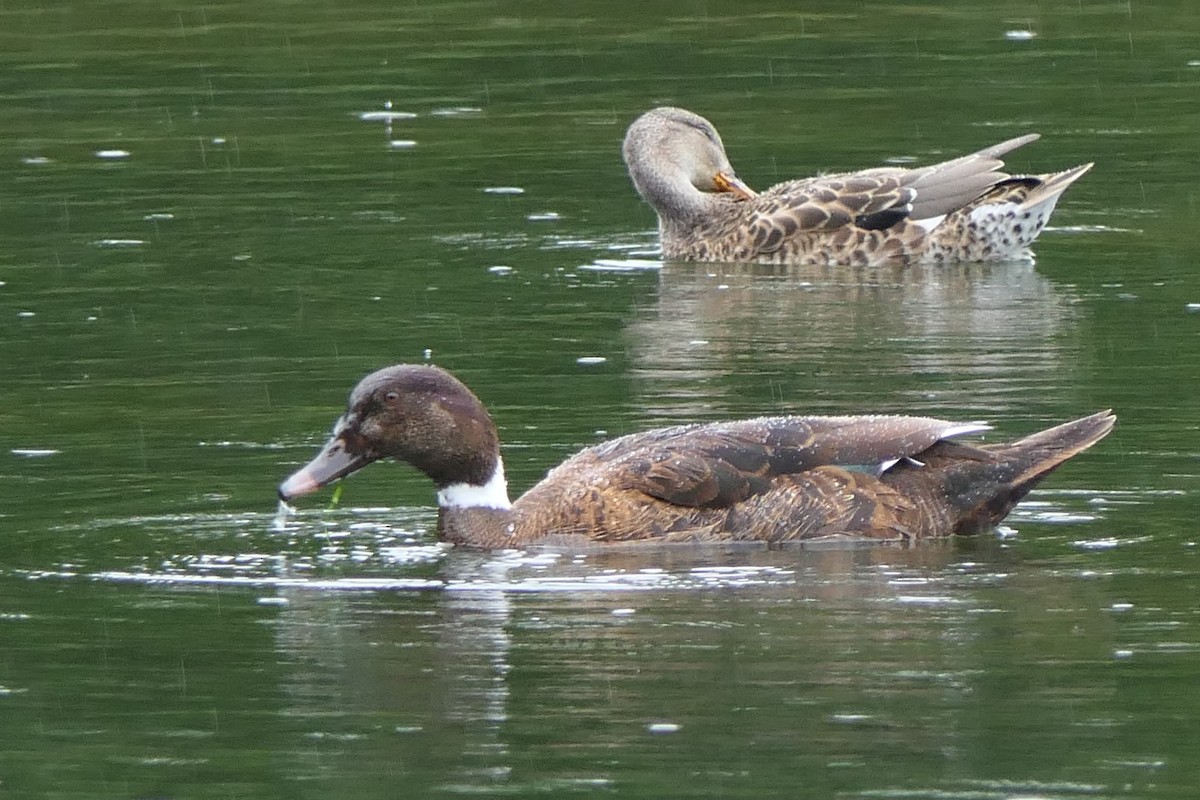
x,y
159,637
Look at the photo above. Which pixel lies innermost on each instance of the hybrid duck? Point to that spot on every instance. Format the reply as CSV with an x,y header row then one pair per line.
x,y
770,479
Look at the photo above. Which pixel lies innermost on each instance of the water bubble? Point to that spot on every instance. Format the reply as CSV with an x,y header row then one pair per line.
x,y
119,242
622,265
385,116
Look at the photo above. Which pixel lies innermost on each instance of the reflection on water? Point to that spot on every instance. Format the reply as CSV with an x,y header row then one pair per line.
x,y
901,339
942,670
434,676
427,681
393,550
845,662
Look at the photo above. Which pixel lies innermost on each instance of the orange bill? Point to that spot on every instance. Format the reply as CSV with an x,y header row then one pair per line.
x,y
728,182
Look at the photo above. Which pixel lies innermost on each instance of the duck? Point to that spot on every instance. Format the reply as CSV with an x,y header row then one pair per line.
x,y
965,209
768,479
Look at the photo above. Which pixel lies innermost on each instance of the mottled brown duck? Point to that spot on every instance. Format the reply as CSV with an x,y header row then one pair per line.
x,y
771,479
965,209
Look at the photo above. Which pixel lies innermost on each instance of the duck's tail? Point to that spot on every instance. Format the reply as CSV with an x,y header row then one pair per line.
x,y
1003,221
971,489
1042,197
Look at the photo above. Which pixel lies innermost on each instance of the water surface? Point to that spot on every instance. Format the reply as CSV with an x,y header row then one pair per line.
x,y
218,217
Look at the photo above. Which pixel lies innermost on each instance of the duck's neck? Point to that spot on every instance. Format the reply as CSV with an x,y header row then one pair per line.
x,y
670,191
477,514
492,494
490,528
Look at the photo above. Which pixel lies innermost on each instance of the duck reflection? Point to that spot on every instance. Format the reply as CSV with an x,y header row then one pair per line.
x,y
726,338
415,680
500,682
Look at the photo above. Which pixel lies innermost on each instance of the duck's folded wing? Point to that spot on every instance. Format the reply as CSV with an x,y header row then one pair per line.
x,y
715,476
878,198
715,466
871,201
950,185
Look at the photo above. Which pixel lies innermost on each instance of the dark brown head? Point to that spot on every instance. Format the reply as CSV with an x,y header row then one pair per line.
x,y
418,414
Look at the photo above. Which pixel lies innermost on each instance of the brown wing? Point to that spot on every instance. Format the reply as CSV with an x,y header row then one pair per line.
x,y
871,201
826,501
719,465
875,199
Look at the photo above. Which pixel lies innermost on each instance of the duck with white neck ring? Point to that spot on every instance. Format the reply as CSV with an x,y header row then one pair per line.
x,y
769,479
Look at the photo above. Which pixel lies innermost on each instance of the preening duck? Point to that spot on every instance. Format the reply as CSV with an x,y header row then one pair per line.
x,y
770,479
965,209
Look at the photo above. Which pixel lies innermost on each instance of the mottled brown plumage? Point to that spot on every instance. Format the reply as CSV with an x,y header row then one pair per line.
x,y
965,209
771,479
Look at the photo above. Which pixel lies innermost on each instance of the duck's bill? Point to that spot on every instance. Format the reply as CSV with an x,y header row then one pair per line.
x,y
728,182
334,461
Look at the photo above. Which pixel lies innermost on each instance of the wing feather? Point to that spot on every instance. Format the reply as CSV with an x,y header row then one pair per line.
x,y
720,465
824,205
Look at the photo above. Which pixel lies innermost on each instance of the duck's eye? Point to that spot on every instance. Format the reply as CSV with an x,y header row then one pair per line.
x,y
392,397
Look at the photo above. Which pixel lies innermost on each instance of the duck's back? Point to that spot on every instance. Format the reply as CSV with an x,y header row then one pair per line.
x,y
796,478
768,478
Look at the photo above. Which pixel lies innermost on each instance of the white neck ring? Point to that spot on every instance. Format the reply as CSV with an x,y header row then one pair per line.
x,y
493,494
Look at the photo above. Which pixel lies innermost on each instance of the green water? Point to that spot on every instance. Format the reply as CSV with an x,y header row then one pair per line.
x,y
182,319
